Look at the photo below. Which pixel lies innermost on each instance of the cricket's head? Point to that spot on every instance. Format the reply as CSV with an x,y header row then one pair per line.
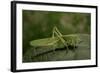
x,y
72,40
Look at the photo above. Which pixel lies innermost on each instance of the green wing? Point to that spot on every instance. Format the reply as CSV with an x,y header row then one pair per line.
x,y
44,42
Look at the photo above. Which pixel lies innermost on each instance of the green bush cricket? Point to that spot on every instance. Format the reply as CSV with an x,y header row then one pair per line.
x,y
57,41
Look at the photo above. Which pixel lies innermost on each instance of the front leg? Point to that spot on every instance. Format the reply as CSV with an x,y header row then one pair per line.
x,y
54,51
66,47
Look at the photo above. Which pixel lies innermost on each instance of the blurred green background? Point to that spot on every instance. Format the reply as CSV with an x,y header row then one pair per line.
x,y
39,24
